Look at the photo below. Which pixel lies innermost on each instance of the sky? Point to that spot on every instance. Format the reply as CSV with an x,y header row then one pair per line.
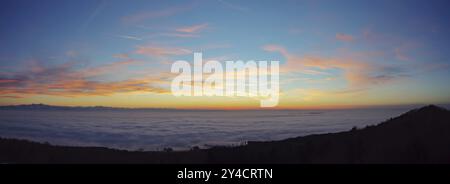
x,y
332,54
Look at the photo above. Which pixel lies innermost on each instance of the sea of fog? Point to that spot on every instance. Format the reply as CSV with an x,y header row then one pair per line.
x,y
178,129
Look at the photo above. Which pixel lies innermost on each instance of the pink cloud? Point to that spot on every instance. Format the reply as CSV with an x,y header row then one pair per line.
x,y
359,74
344,37
400,55
159,51
180,35
193,28
276,48
68,81
7,81
106,68
401,52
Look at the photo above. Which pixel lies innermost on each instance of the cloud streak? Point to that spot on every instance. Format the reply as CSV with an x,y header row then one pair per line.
x,y
68,81
129,37
192,29
160,51
359,74
344,37
155,14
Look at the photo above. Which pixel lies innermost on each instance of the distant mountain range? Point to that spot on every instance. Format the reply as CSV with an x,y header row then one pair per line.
x,y
418,136
55,107
52,107
46,107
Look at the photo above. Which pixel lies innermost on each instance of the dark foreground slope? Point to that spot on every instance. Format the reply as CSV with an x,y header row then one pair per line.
x,y
418,136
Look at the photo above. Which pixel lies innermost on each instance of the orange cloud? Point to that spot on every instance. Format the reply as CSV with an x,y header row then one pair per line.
x,y
344,37
359,74
103,69
66,80
7,81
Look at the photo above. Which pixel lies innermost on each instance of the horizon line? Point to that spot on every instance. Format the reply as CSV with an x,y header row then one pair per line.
x,y
331,107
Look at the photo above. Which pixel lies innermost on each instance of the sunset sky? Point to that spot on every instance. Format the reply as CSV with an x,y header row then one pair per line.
x,y
118,53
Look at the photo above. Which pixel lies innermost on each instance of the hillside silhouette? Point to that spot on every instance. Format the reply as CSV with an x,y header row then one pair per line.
x,y
418,136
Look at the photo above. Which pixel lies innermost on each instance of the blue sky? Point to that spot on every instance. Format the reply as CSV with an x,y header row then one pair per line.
x,y
333,53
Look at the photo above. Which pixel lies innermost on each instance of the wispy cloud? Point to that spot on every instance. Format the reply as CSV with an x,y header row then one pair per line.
x,y
66,80
187,31
344,37
179,35
213,46
155,14
402,52
5,81
193,28
99,8
161,51
192,31
372,36
359,74
400,55
129,37
71,53
121,56
105,68
11,96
